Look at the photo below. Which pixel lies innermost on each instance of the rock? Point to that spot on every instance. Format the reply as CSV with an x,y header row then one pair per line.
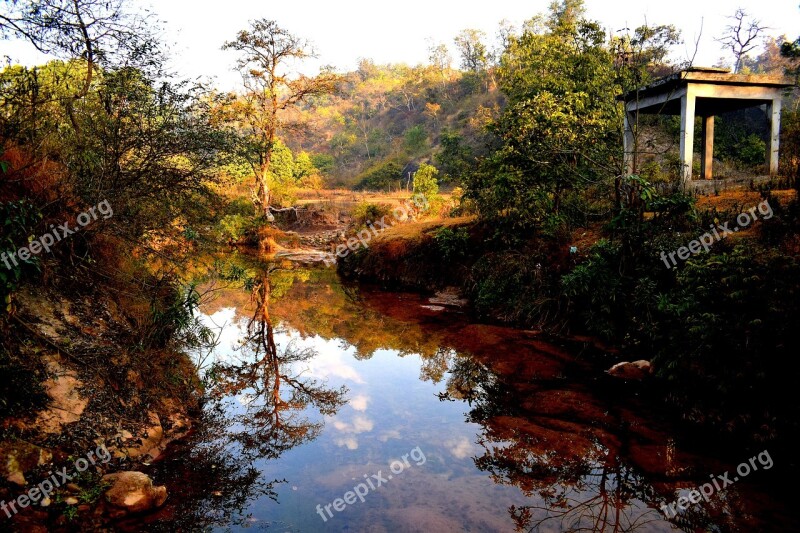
x,y
19,457
638,370
152,441
450,296
133,492
67,404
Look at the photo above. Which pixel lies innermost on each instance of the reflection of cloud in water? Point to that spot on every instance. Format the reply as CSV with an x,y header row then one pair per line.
x,y
231,334
361,424
350,442
245,399
359,403
330,361
390,434
461,448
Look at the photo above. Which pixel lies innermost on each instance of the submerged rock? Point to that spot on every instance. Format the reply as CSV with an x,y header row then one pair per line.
x,y
637,370
133,492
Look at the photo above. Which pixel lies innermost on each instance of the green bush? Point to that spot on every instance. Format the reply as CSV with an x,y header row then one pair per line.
x,y
19,220
381,177
453,243
752,150
425,182
233,228
367,212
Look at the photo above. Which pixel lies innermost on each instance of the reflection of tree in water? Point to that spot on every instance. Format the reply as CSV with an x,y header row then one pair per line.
x,y
275,392
570,463
218,477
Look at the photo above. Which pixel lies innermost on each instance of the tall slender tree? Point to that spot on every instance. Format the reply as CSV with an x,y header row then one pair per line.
x,y
268,54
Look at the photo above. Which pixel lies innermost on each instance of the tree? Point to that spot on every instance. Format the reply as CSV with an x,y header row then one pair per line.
x,y
741,37
455,158
560,129
439,57
425,183
474,55
99,33
267,52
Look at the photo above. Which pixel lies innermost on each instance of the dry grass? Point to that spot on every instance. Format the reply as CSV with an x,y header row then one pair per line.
x,y
727,200
345,200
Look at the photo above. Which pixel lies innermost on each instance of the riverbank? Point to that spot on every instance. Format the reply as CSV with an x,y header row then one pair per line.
x,y
81,375
707,325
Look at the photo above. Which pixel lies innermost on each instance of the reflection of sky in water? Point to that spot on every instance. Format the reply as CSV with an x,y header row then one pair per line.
x,y
390,412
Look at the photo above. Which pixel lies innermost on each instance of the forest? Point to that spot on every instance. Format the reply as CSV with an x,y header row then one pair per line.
x,y
492,179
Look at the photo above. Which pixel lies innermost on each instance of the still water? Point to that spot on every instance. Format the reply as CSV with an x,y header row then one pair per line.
x,y
334,408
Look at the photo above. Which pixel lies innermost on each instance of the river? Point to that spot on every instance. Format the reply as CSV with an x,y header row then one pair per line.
x,y
337,408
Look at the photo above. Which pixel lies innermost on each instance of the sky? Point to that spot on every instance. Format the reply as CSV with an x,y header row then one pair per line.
x,y
393,32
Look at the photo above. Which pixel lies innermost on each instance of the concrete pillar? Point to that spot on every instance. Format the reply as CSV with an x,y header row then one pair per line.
x,y
687,133
708,147
629,143
773,146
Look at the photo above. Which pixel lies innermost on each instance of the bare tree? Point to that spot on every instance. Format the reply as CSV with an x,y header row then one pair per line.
x,y
741,36
268,53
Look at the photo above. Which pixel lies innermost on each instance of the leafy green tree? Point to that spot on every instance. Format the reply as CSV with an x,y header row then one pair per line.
x,y
425,182
473,51
455,157
560,130
281,178
415,139
103,34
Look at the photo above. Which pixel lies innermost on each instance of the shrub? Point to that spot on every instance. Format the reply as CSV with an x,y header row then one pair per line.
x,y
367,212
381,177
453,243
425,182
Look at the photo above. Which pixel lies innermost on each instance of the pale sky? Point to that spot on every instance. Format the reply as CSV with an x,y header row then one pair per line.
x,y
345,30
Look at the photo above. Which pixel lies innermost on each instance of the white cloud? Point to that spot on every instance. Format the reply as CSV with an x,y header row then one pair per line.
x,y
359,403
461,448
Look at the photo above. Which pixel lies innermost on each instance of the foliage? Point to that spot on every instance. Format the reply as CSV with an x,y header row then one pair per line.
x,y
514,287
267,51
560,127
455,157
234,228
306,174
453,243
415,139
752,149
177,321
425,182
382,176
366,212
19,221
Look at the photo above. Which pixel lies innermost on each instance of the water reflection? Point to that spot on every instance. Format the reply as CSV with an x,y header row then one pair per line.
x,y
519,433
216,466
272,387
565,463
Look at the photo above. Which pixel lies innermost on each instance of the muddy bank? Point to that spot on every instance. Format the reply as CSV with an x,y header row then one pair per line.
x,y
88,399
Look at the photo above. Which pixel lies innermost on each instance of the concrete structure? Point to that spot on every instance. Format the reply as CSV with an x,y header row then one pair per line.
x,y
704,92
